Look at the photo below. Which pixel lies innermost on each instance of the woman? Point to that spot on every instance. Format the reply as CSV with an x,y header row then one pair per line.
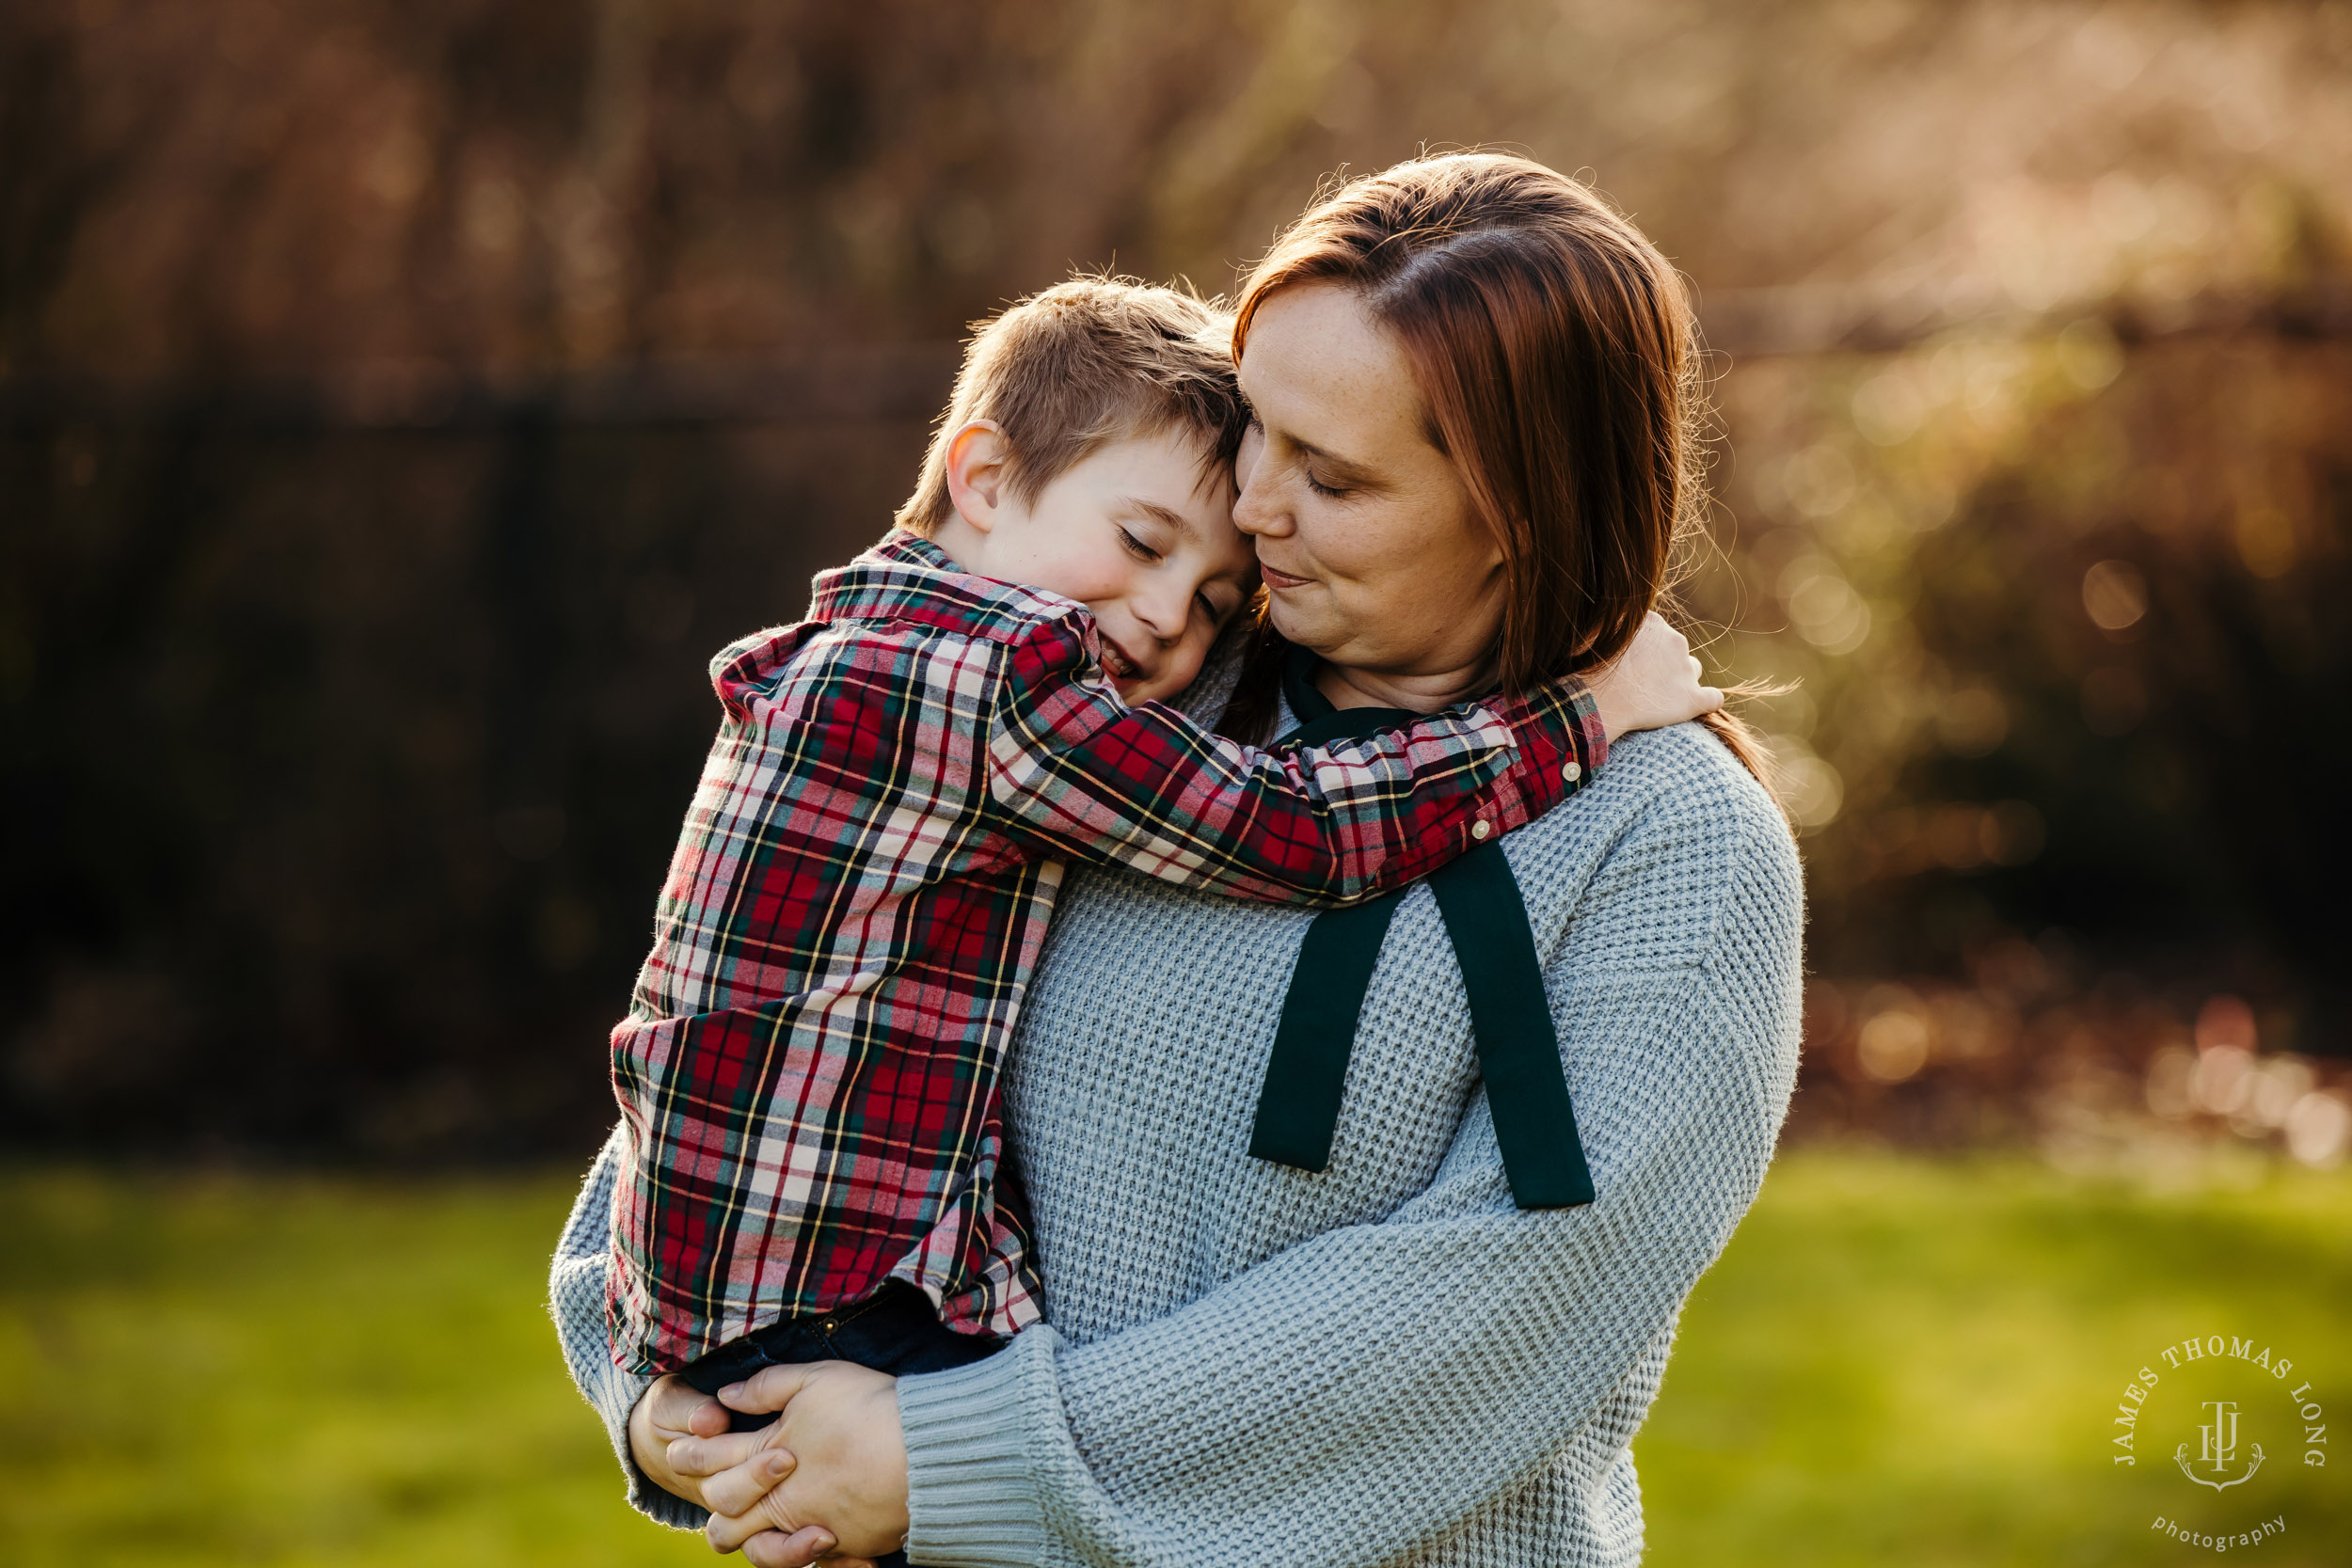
x,y
1473,384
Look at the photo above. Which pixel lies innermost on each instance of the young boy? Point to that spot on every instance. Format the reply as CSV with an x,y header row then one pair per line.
x,y
808,1069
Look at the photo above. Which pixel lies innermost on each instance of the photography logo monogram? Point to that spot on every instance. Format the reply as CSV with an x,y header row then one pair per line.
x,y
2221,1408
2219,1448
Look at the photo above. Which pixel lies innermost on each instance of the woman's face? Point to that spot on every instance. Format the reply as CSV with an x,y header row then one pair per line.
x,y
1372,554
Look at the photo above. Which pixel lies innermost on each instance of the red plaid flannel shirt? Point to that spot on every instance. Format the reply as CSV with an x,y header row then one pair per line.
x,y
808,1069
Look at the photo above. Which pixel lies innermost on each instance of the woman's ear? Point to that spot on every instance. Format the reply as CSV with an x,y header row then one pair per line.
x,y
977,456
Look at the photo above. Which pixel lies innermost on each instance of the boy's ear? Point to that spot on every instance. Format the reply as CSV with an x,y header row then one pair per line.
x,y
977,456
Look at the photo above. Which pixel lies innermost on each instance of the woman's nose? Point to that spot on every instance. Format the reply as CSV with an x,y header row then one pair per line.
x,y
1258,510
1245,458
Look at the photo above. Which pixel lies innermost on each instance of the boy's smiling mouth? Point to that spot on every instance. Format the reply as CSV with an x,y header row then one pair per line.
x,y
1121,666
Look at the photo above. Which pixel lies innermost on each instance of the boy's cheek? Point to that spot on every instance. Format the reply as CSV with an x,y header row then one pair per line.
x,y
1167,684
1187,667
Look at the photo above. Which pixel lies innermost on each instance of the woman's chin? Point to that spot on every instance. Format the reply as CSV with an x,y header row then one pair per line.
x,y
1299,623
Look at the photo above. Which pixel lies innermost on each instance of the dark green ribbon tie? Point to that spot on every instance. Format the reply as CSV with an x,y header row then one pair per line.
x,y
1485,919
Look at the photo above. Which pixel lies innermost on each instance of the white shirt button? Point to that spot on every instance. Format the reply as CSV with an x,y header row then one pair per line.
x,y
1480,829
1571,771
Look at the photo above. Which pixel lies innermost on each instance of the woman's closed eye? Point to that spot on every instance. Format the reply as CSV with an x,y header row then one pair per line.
x,y
1322,489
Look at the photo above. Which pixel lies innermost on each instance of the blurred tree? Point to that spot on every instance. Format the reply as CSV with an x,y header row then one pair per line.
x,y
398,402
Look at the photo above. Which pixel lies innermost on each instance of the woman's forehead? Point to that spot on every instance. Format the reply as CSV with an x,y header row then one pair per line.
x,y
1321,372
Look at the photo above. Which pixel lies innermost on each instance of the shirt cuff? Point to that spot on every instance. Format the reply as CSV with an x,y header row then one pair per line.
x,y
972,1493
1561,738
1583,718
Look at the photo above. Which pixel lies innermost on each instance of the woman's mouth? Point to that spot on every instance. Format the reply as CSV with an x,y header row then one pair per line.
x,y
1277,581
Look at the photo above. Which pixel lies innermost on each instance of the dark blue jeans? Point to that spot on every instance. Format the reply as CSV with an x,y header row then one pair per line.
x,y
894,1330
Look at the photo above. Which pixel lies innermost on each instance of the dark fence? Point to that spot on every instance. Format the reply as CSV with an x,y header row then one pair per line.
x,y
349,715
350,718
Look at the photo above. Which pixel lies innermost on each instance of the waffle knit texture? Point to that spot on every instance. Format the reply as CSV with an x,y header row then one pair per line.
x,y
1385,1362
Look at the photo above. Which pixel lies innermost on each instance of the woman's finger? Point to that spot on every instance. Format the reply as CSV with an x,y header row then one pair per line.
x,y
710,1419
727,1532
708,1456
738,1490
776,1549
675,1403
771,1388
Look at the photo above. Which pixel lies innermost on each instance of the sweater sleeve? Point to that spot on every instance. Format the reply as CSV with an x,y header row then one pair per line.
x,y
1389,1380
576,1300
1075,772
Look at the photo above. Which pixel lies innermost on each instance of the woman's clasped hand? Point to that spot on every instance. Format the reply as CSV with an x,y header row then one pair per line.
x,y
826,1481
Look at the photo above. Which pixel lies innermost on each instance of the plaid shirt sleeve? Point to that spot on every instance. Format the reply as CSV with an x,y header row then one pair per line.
x,y
1076,772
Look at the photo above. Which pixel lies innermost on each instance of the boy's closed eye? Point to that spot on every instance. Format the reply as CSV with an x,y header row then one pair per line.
x,y
1222,600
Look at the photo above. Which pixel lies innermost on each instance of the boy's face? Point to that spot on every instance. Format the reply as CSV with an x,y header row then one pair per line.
x,y
1141,535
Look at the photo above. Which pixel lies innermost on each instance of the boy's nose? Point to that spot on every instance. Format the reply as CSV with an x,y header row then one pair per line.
x,y
1163,614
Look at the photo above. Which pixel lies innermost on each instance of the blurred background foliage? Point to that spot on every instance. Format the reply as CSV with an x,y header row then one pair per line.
x,y
401,402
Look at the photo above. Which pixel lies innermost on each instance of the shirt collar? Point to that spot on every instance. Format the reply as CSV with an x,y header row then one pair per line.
x,y
908,577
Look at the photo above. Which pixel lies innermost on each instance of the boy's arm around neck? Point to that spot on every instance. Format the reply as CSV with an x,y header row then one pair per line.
x,y
1075,772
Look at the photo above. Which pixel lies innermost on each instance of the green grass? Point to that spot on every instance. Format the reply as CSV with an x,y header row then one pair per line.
x,y
295,1371
1900,1362
1916,1363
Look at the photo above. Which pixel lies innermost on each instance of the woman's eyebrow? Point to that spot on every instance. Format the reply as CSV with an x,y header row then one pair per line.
x,y
1356,474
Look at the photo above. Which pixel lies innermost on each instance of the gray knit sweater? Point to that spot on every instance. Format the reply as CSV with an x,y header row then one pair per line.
x,y
1385,1363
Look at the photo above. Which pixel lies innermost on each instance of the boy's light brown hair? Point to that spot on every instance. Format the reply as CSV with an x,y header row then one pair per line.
x,y
1088,362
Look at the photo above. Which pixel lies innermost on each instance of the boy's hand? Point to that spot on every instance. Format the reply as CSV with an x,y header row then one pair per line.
x,y
1654,682
841,1423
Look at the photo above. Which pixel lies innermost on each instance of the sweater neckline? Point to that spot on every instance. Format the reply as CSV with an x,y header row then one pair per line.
x,y
1316,718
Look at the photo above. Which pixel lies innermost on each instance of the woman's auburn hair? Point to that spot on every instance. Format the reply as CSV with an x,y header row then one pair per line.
x,y
1558,361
